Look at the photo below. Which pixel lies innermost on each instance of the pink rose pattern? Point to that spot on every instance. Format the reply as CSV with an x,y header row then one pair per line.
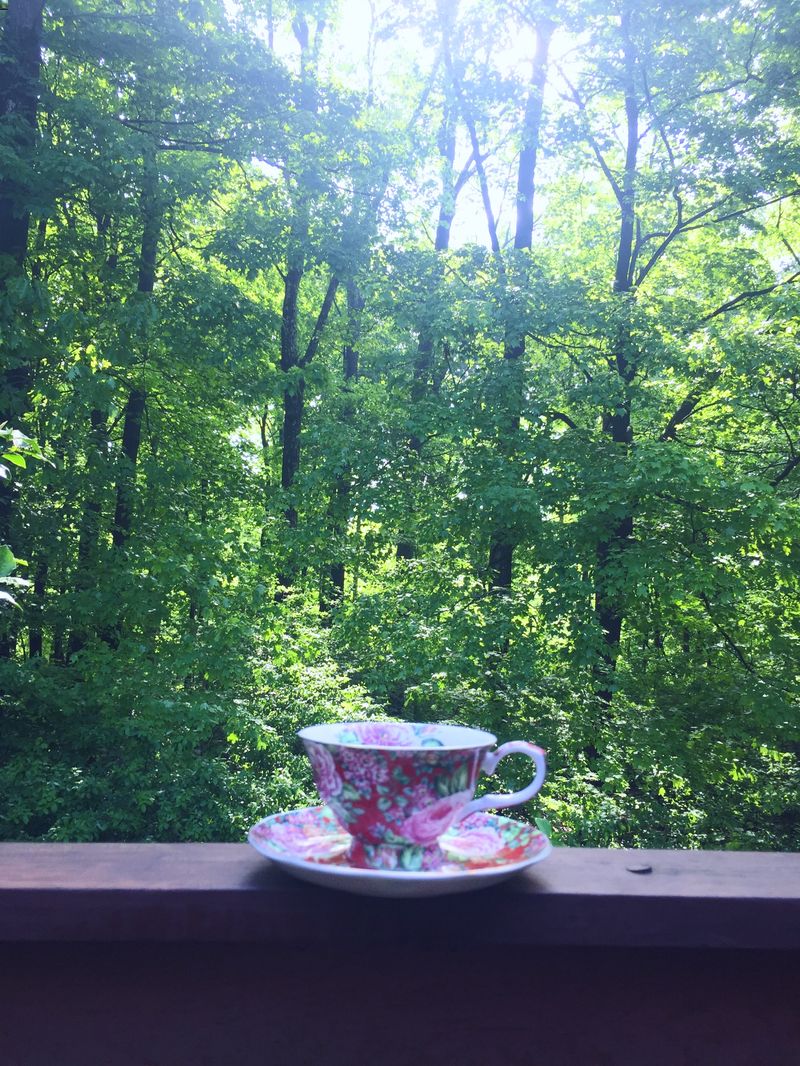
x,y
390,734
312,834
479,842
323,768
482,840
299,841
396,804
427,825
387,734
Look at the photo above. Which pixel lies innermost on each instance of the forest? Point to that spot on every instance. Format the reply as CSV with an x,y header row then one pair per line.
x,y
432,359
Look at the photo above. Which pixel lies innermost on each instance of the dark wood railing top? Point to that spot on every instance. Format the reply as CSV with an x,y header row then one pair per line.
x,y
226,892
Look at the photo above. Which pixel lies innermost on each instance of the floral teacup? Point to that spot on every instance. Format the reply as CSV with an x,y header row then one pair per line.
x,y
397,787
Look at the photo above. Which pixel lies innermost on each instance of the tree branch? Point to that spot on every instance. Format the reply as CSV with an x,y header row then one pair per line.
x,y
559,416
748,294
612,181
464,176
426,91
469,122
791,463
688,406
319,326
731,643
738,213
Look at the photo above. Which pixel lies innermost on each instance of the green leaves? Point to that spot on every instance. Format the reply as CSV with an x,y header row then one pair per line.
x,y
448,786
162,690
7,561
544,826
15,447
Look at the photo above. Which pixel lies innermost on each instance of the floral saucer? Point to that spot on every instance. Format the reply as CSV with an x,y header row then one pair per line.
x,y
479,851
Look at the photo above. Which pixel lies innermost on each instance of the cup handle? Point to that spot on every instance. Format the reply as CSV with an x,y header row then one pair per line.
x,y
511,799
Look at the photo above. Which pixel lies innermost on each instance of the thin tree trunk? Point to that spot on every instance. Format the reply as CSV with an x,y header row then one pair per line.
x,y
293,363
423,363
20,59
35,605
97,462
293,393
356,567
137,397
501,548
58,654
38,248
126,481
35,641
90,523
617,424
292,425
332,591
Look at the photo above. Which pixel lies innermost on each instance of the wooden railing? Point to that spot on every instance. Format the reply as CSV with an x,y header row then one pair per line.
x,y
194,954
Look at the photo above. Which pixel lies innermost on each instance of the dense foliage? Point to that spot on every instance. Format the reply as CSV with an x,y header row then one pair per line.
x,y
431,359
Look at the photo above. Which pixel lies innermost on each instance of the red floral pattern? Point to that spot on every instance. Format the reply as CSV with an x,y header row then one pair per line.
x,y
396,803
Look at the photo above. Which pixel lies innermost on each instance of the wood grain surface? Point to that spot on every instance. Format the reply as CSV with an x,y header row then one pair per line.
x,y
219,892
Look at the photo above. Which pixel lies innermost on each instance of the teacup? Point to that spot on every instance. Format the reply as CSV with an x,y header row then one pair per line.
x,y
396,787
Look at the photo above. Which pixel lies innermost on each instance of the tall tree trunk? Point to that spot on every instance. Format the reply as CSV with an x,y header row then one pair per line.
x,y
293,392
137,397
617,423
423,362
97,460
332,591
501,547
20,59
126,478
292,362
35,606
35,641
58,655
90,522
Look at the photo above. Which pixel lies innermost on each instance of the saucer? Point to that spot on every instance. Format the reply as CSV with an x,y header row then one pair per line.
x,y
479,851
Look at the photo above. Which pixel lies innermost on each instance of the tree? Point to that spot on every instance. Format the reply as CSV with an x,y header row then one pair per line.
x,y
20,48
512,295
